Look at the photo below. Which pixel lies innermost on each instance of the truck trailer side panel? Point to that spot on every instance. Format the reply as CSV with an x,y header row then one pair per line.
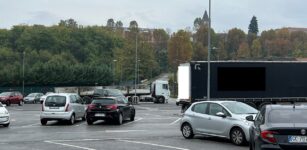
x,y
249,79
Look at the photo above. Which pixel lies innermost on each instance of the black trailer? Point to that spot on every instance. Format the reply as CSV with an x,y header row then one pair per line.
x,y
254,82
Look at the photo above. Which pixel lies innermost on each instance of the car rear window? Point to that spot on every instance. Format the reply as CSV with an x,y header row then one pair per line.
x,y
105,101
55,101
287,116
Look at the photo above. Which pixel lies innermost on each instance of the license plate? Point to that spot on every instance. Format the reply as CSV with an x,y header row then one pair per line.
x,y
297,139
53,107
100,115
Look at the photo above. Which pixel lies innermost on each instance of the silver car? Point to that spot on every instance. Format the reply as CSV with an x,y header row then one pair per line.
x,y
62,107
225,119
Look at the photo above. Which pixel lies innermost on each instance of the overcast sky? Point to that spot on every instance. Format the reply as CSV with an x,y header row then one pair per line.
x,y
172,14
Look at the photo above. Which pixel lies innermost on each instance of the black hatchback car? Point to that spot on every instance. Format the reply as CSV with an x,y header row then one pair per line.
x,y
279,127
109,109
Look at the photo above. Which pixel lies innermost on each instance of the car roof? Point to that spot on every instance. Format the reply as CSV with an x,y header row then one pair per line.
x,y
61,94
217,101
105,97
278,106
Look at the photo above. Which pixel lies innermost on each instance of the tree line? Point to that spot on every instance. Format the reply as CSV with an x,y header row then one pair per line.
x,y
186,45
72,54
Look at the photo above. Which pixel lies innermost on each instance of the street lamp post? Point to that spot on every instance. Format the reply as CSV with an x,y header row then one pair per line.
x,y
23,72
114,61
136,62
209,53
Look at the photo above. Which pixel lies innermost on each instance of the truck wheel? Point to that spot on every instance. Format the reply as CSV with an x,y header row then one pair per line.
x,y
161,99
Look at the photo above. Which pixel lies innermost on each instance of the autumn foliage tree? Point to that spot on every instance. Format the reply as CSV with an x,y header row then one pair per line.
x,y
179,49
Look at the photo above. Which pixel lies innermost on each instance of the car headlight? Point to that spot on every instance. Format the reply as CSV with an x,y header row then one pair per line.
x,y
248,123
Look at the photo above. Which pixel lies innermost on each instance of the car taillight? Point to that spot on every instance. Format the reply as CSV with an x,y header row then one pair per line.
x,y
111,107
91,106
67,108
269,136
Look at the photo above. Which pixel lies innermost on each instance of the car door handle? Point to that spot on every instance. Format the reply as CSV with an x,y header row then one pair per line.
x,y
209,118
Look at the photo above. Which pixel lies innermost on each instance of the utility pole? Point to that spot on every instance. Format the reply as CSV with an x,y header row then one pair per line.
x,y
209,53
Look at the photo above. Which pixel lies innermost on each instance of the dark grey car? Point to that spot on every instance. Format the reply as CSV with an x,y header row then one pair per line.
x,y
33,98
279,127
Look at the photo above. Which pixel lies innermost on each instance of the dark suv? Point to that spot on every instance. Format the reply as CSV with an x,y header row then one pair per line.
x,y
9,98
279,127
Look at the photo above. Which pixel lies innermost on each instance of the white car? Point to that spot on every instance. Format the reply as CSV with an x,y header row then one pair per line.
x,y
62,107
4,116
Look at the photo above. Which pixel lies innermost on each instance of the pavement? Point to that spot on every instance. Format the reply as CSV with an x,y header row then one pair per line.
x,y
156,127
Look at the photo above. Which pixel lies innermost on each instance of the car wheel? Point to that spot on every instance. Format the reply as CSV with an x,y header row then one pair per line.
x,y
120,119
43,122
84,117
237,136
20,103
161,99
187,131
6,125
132,116
89,121
8,103
72,119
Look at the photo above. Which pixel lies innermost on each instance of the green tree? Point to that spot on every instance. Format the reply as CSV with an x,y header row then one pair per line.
x,y
256,50
244,51
253,26
234,38
179,49
110,23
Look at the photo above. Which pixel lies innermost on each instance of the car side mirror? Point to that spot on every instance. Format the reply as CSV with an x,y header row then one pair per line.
x,y
250,118
220,114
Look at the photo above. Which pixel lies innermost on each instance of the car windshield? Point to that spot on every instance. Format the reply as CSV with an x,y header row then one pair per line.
x,y
288,116
32,95
55,101
5,94
239,108
114,92
104,101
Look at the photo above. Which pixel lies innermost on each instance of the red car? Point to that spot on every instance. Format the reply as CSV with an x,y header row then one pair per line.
x,y
9,98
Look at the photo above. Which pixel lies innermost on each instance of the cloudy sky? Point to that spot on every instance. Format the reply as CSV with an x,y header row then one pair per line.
x,y
172,14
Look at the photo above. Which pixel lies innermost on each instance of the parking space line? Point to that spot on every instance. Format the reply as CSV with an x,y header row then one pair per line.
x,y
175,121
69,145
132,122
151,144
30,125
120,131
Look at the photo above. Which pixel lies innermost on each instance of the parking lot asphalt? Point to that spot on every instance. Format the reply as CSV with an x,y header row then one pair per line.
x,y
156,127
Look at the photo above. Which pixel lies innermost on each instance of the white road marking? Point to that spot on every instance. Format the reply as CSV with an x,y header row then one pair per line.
x,y
120,131
157,145
83,123
175,121
132,122
30,125
69,145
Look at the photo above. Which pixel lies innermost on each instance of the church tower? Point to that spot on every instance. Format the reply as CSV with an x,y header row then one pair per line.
x,y
205,18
